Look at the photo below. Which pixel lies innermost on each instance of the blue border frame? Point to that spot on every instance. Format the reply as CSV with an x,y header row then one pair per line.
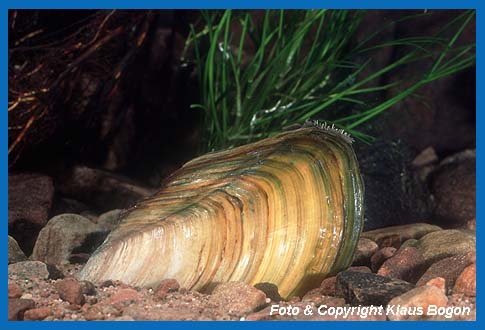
x,y
253,4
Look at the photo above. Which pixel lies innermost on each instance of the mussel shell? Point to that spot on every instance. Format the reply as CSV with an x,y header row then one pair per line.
x,y
287,210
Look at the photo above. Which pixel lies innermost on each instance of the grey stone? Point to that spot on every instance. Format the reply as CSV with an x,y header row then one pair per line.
x,y
15,254
64,235
445,243
369,289
33,269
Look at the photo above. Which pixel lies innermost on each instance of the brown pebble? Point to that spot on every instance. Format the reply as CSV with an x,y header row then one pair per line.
x,y
390,241
237,297
88,288
106,284
421,297
17,307
70,290
328,286
359,269
466,282
37,314
449,269
438,282
380,256
124,295
165,287
93,313
407,264
364,250
14,291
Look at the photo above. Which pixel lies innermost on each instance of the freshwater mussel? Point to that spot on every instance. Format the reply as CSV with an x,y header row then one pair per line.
x,y
287,210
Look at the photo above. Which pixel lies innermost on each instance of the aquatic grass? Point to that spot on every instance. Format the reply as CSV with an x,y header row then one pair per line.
x,y
262,71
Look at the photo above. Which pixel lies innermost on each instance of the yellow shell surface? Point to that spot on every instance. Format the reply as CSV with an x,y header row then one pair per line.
x,y
287,210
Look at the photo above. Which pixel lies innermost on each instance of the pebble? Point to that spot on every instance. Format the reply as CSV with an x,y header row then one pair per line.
x,y
466,282
17,307
93,313
63,234
369,289
270,290
410,242
327,288
419,298
380,256
124,295
365,249
88,288
454,190
445,243
33,269
14,291
70,290
30,199
109,220
165,287
361,269
237,297
407,264
15,254
100,189
438,282
402,232
448,268
426,157
37,314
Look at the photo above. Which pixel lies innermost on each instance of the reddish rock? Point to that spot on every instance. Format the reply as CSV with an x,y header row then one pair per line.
x,y
364,250
37,314
380,256
294,299
327,287
237,297
124,295
402,307
454,190
264,314
449,269
166,286
467,281
70,290
88,288
168,314
375,315
438,282
395,235
17,307
94,313
390,241
29,198
407,264
361,269
14,291
317,298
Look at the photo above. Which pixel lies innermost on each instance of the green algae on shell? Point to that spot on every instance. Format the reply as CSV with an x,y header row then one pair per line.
x,y
287,210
